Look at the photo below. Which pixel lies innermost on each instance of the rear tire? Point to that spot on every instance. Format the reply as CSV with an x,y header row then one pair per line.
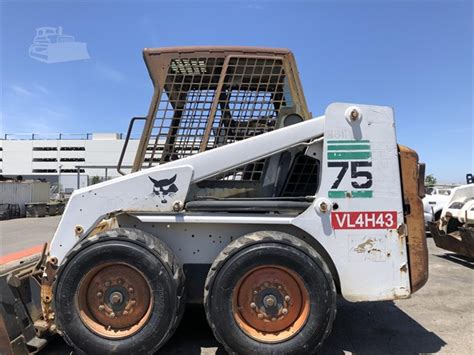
x,y
270,293
119,292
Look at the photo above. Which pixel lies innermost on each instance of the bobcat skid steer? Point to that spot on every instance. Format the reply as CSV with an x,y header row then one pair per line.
x,y
239,200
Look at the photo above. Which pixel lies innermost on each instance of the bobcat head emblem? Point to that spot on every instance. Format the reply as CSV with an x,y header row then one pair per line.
x,y
164,187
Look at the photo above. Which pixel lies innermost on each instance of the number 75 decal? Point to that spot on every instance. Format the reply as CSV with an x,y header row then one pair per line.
x,y
356,172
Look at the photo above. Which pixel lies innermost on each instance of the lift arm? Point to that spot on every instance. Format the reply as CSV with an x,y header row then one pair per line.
x,y
161,188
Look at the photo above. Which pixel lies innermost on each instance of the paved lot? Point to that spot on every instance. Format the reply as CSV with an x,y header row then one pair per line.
x,y
437,319
19,234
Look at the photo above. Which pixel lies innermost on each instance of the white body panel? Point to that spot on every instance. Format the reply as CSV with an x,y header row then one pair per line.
x,y
435,201
460,204
370,258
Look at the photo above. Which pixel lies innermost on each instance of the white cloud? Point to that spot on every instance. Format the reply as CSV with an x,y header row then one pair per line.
x,y
21,91
109,73
35,90
33,109
42,89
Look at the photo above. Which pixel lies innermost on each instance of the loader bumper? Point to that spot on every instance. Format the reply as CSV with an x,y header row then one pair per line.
x,y
20,307
413,190
460,242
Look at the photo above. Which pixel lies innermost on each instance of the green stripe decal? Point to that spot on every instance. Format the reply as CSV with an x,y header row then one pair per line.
x,y
348,141
362,194
349,147
336,194
353,194
349,155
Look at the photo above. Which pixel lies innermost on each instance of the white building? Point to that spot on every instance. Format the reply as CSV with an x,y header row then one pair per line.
x,y
58,158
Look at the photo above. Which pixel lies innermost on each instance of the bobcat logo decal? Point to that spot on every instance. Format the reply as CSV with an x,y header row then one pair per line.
x,y
164,187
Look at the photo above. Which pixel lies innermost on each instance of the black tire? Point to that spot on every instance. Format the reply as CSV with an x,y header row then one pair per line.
x,y
146,254
269,248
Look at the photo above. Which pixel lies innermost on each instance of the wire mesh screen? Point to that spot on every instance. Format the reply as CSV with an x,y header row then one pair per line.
x,y
184,109
250,100
209,102
303,179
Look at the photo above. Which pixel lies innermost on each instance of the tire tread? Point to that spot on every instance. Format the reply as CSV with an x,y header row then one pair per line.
x,y
149,242
261,237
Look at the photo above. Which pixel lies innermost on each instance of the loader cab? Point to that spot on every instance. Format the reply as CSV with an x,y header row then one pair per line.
x,y
207,97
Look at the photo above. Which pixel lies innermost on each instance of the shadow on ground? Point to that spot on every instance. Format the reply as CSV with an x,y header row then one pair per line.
x,y
361,328
458,259
378,328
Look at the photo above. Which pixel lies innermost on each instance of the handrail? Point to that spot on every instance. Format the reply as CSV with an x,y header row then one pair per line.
x,y
125,144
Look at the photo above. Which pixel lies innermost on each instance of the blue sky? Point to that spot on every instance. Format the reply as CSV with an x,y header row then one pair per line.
x,y
415,56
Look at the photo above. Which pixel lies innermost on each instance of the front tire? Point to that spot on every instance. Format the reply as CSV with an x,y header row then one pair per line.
x,y
119,292
270,293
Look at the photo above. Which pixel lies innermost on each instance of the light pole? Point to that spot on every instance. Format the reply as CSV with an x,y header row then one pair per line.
x,y
59,180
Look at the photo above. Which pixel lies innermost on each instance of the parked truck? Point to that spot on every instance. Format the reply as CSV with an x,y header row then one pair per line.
x,y
239,200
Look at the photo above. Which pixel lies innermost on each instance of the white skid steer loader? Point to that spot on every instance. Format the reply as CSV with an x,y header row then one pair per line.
x,y
238,200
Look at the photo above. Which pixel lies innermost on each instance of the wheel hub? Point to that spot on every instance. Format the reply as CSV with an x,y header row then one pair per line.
x,y
271,303
114,300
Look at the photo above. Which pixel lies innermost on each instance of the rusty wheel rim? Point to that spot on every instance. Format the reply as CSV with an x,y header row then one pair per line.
x,y
114,300
270,304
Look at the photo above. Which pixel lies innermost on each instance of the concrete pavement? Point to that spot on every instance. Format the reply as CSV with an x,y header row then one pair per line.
x,y
22,233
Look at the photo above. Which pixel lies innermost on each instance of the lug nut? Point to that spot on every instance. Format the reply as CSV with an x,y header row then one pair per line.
x,y
107,283
274,319
284,311
132,302
130,289
287,298
101,307
255,292
260,316
99,294
253,305
125,312
112,315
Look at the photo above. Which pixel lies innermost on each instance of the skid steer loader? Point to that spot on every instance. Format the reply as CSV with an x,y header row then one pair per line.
x,y
238,200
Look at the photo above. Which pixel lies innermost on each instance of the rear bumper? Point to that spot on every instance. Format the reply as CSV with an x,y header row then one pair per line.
x,y
412,182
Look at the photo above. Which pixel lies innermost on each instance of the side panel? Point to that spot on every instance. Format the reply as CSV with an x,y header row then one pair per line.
x,y
152,190
361,190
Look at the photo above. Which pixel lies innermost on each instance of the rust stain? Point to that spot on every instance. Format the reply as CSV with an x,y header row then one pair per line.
x,y
402,230
104,225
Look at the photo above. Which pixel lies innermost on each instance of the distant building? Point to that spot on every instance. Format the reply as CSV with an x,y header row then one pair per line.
x,y
57,157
